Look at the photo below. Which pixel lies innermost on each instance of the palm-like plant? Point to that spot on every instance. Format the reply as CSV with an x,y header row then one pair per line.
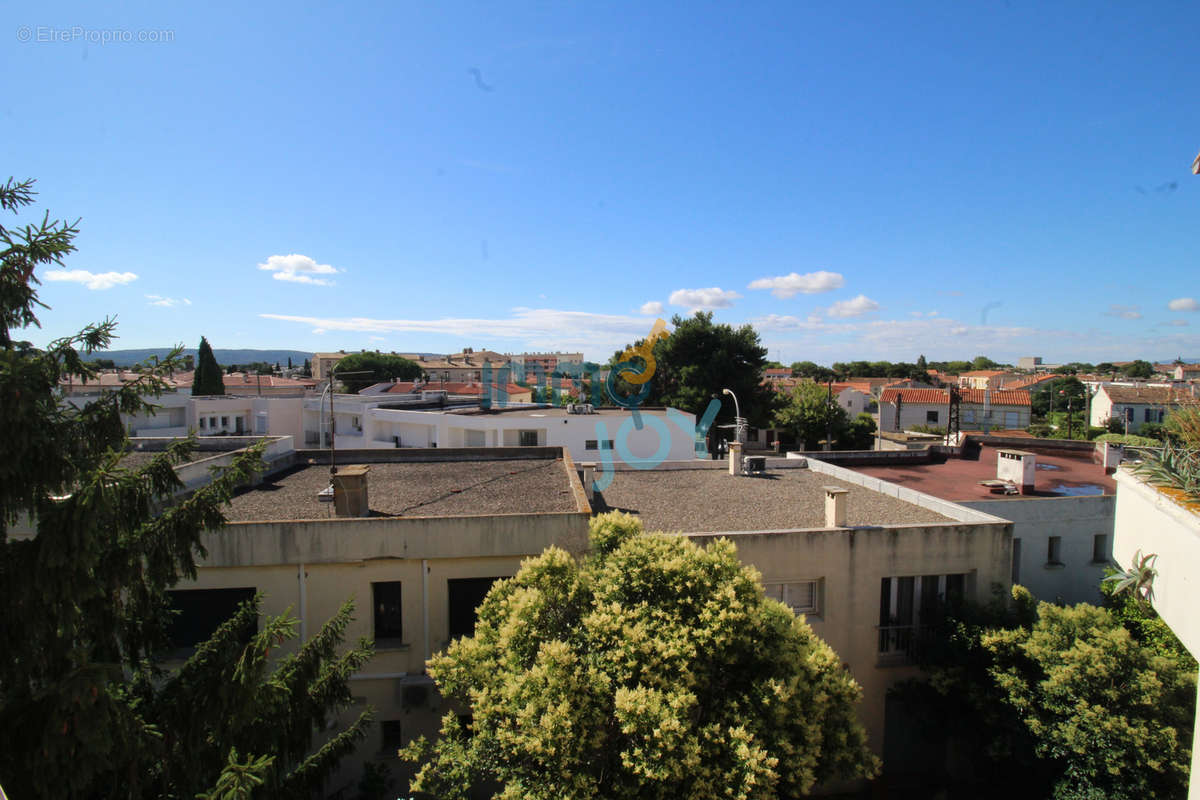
x,y
1138,579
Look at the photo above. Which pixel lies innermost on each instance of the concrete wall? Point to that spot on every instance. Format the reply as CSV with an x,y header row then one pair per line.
x,y
1150,521
555,429
1076,521
851,565
911,415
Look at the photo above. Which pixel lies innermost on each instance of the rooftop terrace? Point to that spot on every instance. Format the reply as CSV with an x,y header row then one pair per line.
x,y
1058,474
417,489
707,500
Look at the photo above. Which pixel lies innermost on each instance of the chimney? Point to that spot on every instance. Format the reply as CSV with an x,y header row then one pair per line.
x,y
735,458
589,477
350,491
835,506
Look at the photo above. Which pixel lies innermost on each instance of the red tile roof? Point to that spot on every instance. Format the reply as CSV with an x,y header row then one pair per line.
x,y
923,396
998,397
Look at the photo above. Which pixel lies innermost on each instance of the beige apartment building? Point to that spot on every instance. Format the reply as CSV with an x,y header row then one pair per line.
x,y
417,537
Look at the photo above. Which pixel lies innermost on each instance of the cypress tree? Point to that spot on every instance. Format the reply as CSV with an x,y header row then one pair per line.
x,y
207,378
88,548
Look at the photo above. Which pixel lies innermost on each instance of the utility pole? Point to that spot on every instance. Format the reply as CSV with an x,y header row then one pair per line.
x,y
829,416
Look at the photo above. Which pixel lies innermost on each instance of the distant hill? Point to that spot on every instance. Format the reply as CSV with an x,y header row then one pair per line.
x,y
127,358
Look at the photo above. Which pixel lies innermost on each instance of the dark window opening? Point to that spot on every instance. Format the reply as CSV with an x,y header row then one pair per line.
x,y
392,737
1054,550
466,594
388,613
931,416
201,611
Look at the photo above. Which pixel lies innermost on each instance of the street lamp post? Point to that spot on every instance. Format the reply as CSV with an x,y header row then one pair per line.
x,y
739,424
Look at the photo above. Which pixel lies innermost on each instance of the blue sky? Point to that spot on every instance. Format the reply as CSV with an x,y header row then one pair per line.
x,y
856,180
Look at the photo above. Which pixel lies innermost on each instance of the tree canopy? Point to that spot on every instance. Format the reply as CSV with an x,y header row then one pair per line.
x,y
1138,369
374,368
653,669
807,413
206,380
697,361
88,549
1040,700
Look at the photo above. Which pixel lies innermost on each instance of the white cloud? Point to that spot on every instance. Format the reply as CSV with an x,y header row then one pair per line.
x,y
793,283
541,328
696,299
922,313
1184,304
1123,312
856,307
298,269
101,280
651,309
1177,323
167,302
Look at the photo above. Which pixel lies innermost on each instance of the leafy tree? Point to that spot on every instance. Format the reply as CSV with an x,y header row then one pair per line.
x,y
1139,369
983,362
807,414
103,363
807,369
653,669
88,548
697,361
306,371
860,433
957,706
921,364
1041,700
206,380
374,368
1115,716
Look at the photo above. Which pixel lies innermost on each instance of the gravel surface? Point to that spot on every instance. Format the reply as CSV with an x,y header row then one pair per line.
x,y
419,489
713,500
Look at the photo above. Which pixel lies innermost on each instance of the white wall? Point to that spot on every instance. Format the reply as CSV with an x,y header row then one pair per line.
x,y
911,414
1076,521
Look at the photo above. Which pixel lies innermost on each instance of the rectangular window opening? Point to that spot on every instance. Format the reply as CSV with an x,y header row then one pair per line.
x,y
1054,550
387,610
465,596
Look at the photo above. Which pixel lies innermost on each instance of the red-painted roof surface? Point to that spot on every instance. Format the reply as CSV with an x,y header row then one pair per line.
x,y
1057,475
997,397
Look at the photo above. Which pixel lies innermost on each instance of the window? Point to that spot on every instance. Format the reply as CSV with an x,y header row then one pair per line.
x,y
356,423
1016,563
260,423
466,595
1011,419
802,597
1100,549
592,444
910,603
1161,414
391,739
1129,415
931,417
199,612
1054,551
224,422
202,423
528,438
968,415
388,616
1148,415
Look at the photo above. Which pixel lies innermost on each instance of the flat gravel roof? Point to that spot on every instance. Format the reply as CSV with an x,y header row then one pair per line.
x,y
416,489
705,500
